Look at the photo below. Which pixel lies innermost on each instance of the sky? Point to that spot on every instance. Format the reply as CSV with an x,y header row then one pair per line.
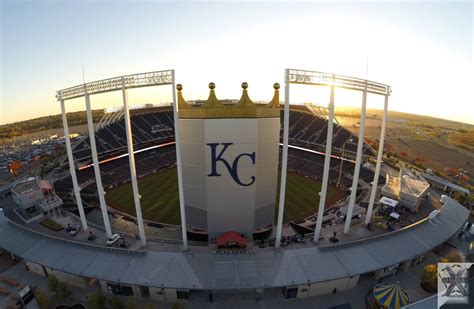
x,y
424,50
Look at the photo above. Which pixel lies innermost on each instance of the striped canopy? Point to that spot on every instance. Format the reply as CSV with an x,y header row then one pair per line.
x,y
390,296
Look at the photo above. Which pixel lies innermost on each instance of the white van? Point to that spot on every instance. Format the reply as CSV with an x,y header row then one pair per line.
x,y
113,239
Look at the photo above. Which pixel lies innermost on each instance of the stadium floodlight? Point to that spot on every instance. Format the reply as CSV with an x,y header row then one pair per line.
x,y
121,83
315,78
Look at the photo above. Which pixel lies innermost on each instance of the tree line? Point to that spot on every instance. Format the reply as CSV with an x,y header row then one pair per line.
x,y
11,130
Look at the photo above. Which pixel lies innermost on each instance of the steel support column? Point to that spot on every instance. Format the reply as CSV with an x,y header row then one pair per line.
x,y
284,161
72,170
95,160
179,164
355,180
378,164
131,160
327,161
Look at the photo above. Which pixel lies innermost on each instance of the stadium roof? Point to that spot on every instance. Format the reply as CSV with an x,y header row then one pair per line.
x,y
200,269
407,183
413,186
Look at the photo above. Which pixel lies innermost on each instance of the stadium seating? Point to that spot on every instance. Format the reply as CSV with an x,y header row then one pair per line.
x,y
156,126
152,126
113,173
312,165
147,128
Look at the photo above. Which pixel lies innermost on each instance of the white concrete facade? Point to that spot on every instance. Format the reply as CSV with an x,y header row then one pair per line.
x,y
327,287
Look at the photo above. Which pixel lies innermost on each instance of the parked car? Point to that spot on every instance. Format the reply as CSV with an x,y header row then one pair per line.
x,y
75,230
113,239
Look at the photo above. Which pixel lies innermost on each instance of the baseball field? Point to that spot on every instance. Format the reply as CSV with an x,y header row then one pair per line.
x,y
160,202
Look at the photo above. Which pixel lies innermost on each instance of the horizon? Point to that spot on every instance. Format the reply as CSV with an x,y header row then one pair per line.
x,y
337,109
415,48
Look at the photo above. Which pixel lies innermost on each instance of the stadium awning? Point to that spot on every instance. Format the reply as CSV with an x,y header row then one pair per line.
x,y
388,201
231,239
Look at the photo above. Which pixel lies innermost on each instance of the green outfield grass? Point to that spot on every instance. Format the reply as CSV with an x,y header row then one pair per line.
x,y
160,197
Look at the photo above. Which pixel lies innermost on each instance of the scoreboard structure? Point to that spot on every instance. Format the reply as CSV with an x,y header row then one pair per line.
x,y
230,163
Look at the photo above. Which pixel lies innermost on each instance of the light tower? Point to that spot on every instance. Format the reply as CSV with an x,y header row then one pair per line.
x,y
334,81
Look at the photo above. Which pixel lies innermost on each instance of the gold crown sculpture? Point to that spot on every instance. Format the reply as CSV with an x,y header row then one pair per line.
x,y
244,108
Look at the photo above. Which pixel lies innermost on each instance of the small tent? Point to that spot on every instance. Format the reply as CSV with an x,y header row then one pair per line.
x,y
231,240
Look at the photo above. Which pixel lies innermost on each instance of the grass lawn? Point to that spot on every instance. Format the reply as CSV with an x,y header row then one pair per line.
x,y
302,196
160,200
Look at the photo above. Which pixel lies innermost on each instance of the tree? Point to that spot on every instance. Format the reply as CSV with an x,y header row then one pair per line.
x,y
64,291
42,299
97,300
116,303
60,288
429,279
460,198
53,283
455,257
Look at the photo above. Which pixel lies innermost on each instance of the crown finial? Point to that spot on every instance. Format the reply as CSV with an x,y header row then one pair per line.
x,y
275,102
182,104
244,101
212,101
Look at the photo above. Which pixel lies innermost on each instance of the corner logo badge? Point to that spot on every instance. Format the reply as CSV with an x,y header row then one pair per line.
x,y
233,169
453,284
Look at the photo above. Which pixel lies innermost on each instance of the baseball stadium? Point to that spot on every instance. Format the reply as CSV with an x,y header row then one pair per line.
x,y
196,199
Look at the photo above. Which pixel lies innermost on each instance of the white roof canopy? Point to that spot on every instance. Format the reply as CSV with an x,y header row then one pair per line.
x,y
395,215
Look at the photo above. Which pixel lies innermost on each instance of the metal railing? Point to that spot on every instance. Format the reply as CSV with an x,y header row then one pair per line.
x,y
372,238
156,78
339,81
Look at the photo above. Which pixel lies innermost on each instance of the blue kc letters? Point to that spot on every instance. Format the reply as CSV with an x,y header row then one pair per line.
x,y
231,168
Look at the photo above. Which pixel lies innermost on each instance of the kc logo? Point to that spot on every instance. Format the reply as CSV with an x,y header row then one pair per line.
x,y
233,169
